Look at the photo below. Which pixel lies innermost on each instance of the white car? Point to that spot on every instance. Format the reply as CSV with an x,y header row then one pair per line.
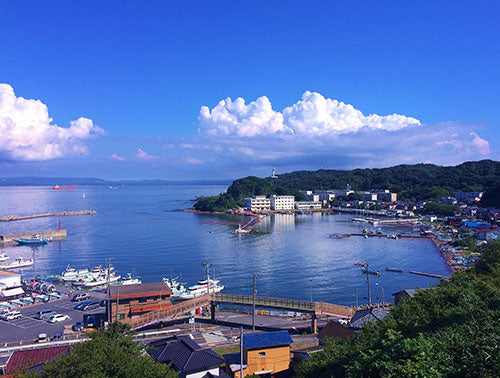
x,y
11,315
58,318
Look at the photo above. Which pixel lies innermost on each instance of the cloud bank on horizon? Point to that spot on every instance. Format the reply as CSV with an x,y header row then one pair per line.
x,y
322,132
236,137
28,134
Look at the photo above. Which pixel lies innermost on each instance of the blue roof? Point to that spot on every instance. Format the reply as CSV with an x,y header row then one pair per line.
x,y
471,224
266,339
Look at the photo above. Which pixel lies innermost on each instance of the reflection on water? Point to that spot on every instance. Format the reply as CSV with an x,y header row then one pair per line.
x,y
136,226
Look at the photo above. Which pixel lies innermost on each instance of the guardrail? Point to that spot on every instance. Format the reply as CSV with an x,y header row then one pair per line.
x,y
291,304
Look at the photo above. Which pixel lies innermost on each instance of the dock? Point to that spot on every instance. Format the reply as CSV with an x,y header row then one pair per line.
x,y
429,275
48,234
10,218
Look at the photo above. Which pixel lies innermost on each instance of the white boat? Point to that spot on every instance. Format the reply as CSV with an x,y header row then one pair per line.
x,y
202,288
100,280
18,263
129,280
178,290
3,257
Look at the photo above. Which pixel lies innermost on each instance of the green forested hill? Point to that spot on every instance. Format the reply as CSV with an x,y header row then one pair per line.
x,y
411,182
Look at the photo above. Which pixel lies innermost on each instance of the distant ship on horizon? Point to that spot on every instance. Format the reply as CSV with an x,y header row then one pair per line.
x,y
63,187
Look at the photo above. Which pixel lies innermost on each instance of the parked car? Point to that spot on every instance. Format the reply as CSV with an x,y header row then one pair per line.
x,y
80,305
80,297
78,326
58,318
42,337
57,336
91,305
103,303
11,315
44,314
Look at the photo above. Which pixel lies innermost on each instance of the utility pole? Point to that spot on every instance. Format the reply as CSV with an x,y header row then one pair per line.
x,y
368,283
241,352
109,291
357,298
207,265
253,305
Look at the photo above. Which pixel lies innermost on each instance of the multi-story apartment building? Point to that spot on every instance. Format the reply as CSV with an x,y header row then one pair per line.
x,y
307,205
282,202
257,203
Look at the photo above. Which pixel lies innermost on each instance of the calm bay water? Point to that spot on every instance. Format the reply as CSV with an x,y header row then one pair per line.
x,y
136,226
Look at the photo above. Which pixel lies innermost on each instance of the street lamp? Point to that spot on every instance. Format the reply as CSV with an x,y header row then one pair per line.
x,y
383,295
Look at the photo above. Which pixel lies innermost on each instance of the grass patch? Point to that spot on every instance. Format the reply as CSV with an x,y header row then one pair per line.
x,y
231,349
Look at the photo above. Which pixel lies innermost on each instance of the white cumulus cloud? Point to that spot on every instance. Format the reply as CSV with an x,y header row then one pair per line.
x,y
27,132
312,116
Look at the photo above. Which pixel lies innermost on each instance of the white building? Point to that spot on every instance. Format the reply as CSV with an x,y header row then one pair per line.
x,y
257,203
282,202
10,284
307,205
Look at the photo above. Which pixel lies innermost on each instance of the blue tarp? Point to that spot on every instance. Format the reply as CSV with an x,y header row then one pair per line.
x,y
266,339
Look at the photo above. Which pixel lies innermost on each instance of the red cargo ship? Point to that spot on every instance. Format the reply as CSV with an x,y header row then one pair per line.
x,y
63,187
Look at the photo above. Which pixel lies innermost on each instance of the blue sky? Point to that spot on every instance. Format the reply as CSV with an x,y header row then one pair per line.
x,y
125,83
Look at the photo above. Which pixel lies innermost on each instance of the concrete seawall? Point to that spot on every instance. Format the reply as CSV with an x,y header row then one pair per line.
x,y
49,234
9,218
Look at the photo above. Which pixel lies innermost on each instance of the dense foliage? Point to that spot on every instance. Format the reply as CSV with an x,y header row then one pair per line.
x,y
491,197
109,353
411,182
441,209
449,331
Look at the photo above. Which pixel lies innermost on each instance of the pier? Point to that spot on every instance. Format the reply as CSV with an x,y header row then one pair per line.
x,y
10,218
429,275
48,234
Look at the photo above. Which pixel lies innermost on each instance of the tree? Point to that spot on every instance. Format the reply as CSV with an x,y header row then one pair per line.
x,y
109,353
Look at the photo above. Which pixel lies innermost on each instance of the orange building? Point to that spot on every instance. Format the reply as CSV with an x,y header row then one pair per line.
x,y
264,353
128,301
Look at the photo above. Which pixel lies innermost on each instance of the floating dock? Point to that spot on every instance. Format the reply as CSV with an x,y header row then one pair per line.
x,y
10,218
48,234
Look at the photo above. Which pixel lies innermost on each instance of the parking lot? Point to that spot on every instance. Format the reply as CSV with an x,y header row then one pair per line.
x,y
27,327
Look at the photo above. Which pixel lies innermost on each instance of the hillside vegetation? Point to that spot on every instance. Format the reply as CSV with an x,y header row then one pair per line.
x,y
449,331
411,182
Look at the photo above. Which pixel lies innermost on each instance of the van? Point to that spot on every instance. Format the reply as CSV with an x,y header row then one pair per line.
x,y
42,338
42,314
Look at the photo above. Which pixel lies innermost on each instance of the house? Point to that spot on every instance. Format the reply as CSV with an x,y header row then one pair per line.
x,y
487,234
408,293
10,284
367,315
335,330
31,359
264,353
188,358
131,300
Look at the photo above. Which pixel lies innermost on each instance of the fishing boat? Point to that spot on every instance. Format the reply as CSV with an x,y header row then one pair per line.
x,y
374,272
100,280
203,287
130,280
397,270
178,290
3,257
18,263
34,239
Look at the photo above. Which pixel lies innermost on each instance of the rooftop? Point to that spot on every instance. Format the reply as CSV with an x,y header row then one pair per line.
x,y
266,339
6,273
367,315
186,355
33,357
150,288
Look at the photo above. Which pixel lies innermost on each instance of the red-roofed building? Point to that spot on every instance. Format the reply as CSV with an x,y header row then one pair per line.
x,y
487,233
32,358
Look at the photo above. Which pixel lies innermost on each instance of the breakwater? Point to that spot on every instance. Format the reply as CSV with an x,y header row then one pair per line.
x,y
10,218
47,234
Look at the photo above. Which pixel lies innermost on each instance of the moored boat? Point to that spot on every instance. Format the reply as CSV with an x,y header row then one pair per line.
x,y
18,263
34,239
129,280
3,257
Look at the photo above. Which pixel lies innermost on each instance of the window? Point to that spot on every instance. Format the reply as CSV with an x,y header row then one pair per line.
x,y
262,354
120,316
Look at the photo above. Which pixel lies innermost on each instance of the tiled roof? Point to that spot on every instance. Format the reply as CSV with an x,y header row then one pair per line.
x,y
33,357
185,355
361,317
333,329
266,339
151,288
